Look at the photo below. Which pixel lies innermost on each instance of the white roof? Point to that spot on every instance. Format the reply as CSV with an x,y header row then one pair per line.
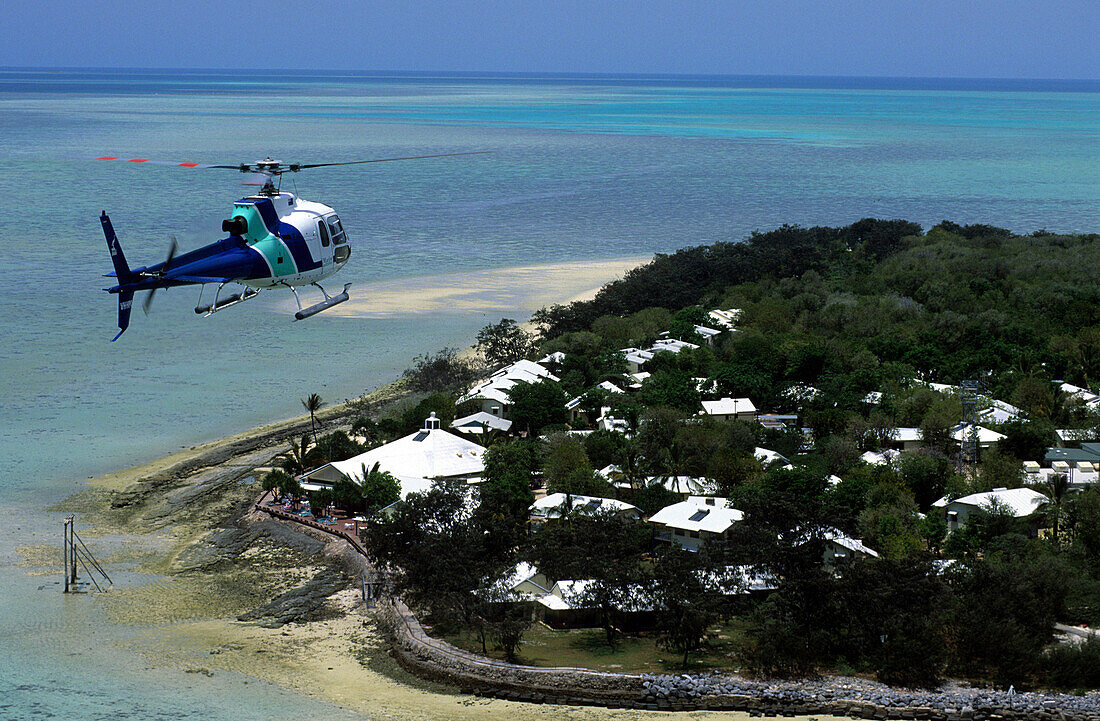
x,y
727,318
477,422
1077,392
767,457
496,386
523,572
1021,501
906,435
606,385
706,332
728,407
555,357
610,471
695,514
416,459
879,459
873,398
679,484
985,435
671,344
852,544
550,506
1076,434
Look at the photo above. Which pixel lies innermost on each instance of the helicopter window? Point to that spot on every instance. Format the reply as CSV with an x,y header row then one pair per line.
x,y
337,230
323,230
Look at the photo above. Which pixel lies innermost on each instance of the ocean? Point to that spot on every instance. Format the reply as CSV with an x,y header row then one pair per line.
x,y
579,168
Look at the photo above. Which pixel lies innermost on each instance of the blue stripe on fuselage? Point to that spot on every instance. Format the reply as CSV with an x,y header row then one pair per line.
x,y
298,248
267,211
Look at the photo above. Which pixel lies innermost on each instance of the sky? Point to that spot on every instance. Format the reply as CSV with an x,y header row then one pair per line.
x,y
1057,39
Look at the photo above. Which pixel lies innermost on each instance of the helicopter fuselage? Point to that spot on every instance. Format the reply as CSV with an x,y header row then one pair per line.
x,y
275,240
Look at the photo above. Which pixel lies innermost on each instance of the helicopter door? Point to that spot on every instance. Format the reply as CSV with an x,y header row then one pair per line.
x,y
325,254
339,239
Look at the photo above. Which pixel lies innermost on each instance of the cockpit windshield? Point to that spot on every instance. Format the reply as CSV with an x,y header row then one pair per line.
x,y
337,230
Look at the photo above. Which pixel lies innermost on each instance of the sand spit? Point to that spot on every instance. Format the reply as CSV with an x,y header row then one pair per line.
x,y
504,290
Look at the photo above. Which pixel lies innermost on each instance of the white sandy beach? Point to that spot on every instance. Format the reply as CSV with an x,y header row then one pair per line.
x,y
517,291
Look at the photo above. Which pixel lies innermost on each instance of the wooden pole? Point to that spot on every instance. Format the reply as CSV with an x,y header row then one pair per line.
x,y
65,549
72,547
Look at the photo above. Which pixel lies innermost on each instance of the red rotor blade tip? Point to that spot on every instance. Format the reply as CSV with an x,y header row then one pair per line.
x,y
188,165
138,160
108,157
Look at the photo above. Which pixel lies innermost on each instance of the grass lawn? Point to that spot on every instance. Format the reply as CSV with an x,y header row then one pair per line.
x,y
587,648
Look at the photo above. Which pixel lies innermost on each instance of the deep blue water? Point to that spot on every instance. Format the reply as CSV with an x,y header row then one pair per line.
x,y
582,167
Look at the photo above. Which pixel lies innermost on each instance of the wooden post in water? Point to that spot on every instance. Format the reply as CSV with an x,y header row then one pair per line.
x,y
65,550
70,556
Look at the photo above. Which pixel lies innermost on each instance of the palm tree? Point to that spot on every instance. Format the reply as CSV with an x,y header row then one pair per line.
x,y
1057,487
298,459
313,404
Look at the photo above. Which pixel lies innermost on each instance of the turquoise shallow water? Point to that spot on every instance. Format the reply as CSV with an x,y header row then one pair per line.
x,y
581,168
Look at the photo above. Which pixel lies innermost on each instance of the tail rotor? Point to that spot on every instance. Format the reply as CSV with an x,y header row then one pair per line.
x,y
173,248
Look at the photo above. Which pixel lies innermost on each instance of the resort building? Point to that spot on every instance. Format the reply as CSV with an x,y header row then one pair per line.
x,y
725,318
728,409
985,437
481,422
555,504
1021,502
692,523
1000,412
493,391
415,461
839,546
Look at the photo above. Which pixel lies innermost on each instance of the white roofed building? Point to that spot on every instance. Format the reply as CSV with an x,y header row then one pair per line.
x,y
1000,412
552,506
414,461
730,409
986,437
635,358
481,422
1021,502
693,522
707,334
493,391
725,318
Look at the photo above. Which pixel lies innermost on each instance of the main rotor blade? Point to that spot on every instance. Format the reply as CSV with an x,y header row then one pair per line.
x,y
387,160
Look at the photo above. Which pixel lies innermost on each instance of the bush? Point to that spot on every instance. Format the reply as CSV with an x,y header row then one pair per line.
x,y
440,372
1073,665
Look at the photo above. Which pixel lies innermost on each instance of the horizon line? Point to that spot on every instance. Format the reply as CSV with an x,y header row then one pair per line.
x,y
536,74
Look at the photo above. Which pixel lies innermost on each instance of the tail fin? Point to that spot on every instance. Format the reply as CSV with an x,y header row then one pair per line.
x,y
122,270
125,301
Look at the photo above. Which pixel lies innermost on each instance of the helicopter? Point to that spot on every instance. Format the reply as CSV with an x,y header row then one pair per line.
x,y
275,240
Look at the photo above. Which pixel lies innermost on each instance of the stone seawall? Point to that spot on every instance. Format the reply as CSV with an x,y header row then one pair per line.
x,y
437,660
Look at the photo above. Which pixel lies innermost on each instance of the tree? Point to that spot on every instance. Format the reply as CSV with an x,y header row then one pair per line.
x,y
379,489
313,404
535,405
565,457
299,457
443,371
604,549
278,481
896,614
672,388
504,342
436,552
687,603
505,495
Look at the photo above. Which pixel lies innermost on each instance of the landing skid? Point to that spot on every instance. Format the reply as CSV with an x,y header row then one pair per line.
x,y
327,303
222,303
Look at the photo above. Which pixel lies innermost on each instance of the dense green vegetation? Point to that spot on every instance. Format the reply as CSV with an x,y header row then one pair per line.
x,y
829,315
